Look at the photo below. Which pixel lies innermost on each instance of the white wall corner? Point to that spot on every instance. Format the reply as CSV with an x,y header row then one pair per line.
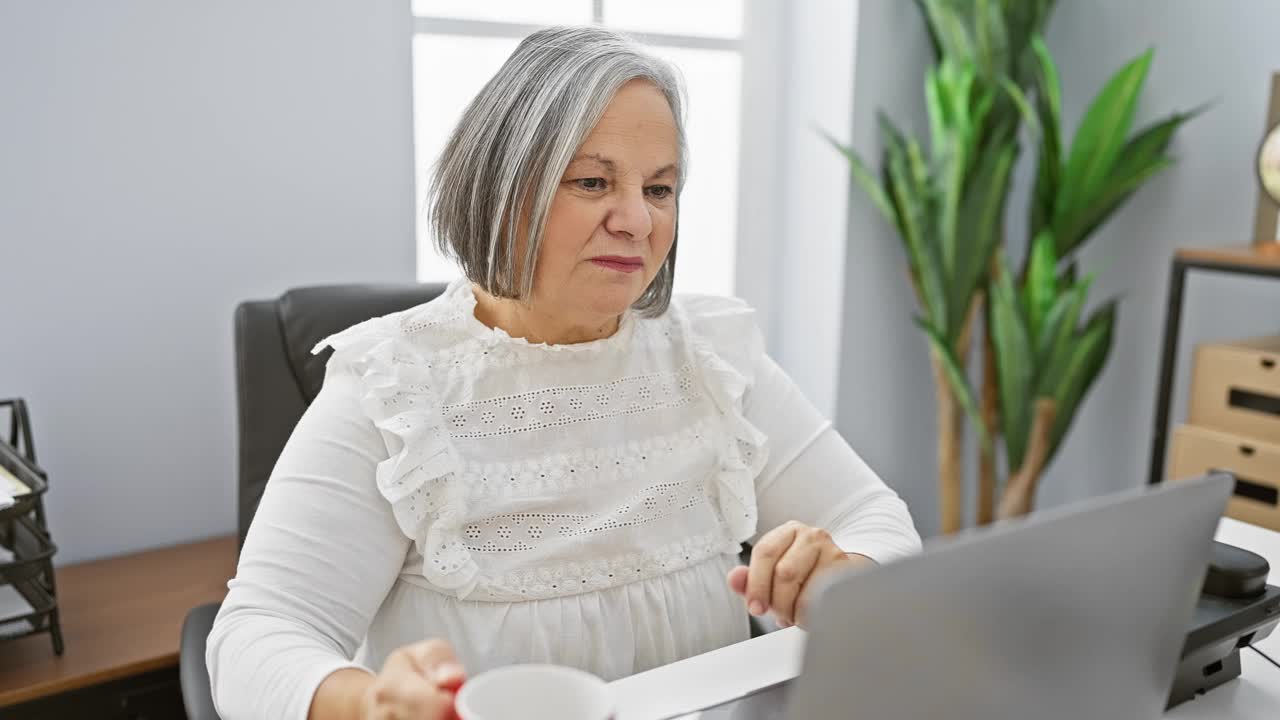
x,y
798,83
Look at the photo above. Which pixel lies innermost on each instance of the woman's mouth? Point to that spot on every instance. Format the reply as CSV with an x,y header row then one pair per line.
x,y
619,263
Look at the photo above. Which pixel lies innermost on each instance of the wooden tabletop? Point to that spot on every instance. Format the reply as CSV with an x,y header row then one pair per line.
x,y
120,616
1264,256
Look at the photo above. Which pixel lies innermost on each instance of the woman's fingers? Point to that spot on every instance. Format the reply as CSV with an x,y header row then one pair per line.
x,y
428,703
434,658
802,606
417,681
408,695
764,556
782,564
830,557
790,575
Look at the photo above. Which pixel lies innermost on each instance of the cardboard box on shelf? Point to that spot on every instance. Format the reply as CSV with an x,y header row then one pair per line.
x,y
1235,388
1255,463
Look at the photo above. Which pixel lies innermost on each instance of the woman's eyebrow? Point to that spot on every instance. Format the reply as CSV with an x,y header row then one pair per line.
x,y
611,166
664,170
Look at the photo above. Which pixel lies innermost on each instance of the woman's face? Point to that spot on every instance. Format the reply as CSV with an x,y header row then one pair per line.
x,y
613,218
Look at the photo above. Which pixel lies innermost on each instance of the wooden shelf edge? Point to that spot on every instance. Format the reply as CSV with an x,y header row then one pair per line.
x,y
1265,256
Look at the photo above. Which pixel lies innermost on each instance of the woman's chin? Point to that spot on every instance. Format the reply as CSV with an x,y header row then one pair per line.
x,y
614,298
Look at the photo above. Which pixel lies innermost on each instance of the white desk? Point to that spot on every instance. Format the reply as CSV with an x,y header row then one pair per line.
x,y
733,671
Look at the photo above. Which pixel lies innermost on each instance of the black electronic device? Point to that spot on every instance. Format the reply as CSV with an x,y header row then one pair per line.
x,y
1236,608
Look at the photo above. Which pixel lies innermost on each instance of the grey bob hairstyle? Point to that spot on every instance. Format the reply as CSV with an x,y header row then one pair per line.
x,y
514,142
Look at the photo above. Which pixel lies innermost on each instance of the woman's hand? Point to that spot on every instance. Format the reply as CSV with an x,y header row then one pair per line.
x,y
417,682
783,565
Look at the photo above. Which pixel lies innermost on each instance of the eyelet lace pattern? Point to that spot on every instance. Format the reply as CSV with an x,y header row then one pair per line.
x,y
566,486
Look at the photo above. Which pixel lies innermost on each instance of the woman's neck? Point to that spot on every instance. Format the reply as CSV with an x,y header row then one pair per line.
x,y
540,325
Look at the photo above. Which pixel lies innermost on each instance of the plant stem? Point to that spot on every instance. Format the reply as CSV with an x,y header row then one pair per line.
x,y
991,419
966,331
950,441
1020,492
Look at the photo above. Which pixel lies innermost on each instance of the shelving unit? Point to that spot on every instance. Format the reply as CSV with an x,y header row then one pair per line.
x,y
1259,260
26,565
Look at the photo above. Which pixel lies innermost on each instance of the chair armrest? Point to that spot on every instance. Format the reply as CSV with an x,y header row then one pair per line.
x,y
193,674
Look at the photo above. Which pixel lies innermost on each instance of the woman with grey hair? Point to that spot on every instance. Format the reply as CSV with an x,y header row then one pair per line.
x,y
556,460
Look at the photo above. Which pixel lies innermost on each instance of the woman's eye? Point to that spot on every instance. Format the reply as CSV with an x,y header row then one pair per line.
x,y
660,192
594,183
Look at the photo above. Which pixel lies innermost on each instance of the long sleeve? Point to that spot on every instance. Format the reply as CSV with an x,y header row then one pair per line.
x,y
321,555
814,477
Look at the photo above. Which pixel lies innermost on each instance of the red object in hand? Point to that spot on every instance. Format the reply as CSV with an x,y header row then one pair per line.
x,y
452,687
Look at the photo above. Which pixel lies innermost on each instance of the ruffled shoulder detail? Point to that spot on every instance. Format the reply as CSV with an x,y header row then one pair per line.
x,y
726,344
727,326
416,479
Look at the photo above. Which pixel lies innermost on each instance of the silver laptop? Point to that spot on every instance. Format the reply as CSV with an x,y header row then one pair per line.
x,y
1074,613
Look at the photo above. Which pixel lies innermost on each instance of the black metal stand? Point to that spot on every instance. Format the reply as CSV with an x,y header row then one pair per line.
x,y
1169,355
25,534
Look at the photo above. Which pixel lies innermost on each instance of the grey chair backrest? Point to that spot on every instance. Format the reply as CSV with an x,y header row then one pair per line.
x,y
277,377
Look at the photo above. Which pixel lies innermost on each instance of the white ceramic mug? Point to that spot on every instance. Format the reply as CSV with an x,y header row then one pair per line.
x,y
535,692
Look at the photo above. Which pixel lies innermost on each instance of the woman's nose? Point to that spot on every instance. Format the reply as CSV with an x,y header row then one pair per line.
x,y
630,214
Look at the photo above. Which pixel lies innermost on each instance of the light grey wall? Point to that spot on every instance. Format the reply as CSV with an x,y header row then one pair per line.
x,y
160,162
1220,52
885,402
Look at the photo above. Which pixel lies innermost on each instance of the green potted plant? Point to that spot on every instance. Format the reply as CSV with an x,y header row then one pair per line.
x,y
994,75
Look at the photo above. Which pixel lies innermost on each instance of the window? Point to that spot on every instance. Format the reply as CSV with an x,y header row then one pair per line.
x,y
460,44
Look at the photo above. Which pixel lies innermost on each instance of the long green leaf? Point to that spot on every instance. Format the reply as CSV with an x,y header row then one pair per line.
x,y
933,35
1055,324
956,378
922,189
1013,365
949,28
991,38
982,129
1040,286
887,182
1151,141
1048,82
1088,358
1078,226
1101,135
981,220
1049,162
1059,329
952,150
1023,105
1060,362
866,180
920,177
1024,19
939,113
913,205
1140,159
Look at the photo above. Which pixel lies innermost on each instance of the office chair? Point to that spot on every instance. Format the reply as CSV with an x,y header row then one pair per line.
x,y
277,377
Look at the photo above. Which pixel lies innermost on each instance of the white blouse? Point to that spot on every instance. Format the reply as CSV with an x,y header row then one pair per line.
x,y
575,504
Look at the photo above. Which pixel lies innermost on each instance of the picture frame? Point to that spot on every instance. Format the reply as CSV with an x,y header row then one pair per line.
x,y
1267,216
